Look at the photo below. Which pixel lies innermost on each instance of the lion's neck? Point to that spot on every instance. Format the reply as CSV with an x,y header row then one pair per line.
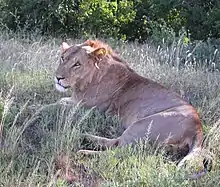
x,y
103,87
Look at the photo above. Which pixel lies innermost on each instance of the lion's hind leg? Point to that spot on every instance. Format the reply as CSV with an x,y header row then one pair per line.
x,y
89,152
104,142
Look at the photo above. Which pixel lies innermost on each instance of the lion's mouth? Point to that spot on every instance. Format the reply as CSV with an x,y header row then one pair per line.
x,y
65,87
60,87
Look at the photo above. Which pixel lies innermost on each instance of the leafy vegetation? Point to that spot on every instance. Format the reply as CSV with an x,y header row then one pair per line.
x,y
126,19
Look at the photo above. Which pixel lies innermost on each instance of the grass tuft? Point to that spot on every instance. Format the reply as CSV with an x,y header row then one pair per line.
x,y
39,137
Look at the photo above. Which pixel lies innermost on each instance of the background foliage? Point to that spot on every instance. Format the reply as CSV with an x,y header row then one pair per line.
x,y
124,19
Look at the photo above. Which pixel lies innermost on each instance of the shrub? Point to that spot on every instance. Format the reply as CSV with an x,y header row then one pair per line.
x,y
127,19
104,18
45,16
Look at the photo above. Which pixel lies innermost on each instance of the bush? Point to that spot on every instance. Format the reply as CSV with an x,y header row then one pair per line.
x,y
127,19
104,18
45,16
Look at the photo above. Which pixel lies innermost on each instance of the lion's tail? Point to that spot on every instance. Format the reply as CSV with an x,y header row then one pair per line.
x,y
197,152
196,156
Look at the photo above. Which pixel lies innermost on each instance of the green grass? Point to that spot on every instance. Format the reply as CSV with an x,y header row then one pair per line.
x,y
37,130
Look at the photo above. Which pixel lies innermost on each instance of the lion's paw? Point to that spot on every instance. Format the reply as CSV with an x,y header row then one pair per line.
x,y
66,101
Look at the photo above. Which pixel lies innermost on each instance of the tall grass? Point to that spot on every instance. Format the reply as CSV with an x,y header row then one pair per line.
x,y
36,130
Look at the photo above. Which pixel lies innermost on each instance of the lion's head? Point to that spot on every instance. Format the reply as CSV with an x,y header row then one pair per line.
x,y
79,62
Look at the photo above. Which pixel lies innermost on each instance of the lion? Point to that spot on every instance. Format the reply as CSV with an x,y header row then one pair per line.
x,y
101,79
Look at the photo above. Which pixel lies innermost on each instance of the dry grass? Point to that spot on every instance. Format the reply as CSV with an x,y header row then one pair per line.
x,y
36,129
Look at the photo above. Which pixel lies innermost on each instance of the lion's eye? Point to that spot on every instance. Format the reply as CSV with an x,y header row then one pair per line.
x,y
76,64
62,59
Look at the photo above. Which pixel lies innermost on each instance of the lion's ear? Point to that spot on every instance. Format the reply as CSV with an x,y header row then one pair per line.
x,y
95,52
88,49
99,52
90,43
64,46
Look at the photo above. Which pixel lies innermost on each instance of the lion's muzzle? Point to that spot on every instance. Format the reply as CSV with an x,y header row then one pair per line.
x,y
59,86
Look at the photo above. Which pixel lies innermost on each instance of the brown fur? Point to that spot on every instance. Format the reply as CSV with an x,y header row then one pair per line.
x,y
145,107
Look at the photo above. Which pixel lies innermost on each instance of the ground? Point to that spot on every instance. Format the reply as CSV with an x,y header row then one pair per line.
x,y
40,138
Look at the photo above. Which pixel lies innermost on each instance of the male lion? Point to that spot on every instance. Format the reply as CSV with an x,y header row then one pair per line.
x,y
101,79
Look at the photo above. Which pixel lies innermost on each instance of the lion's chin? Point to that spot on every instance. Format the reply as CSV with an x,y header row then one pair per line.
x,y
60,88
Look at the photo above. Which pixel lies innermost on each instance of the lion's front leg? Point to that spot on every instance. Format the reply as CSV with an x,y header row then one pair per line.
x,y
104,142
88,152
67,101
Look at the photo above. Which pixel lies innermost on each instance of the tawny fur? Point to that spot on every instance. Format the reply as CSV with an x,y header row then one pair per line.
x,y
145,107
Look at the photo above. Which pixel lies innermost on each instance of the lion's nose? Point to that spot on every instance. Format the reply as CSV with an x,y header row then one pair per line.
x,y
59,78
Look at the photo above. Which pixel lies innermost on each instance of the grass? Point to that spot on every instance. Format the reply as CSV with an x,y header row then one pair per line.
x,y
40,137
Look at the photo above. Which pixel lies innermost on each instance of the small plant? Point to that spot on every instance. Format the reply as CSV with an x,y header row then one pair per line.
x,y
1,116
1,107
